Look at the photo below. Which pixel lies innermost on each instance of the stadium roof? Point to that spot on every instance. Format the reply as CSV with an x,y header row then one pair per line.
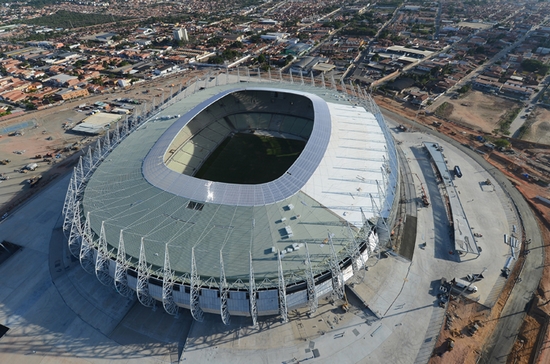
x,y
339,173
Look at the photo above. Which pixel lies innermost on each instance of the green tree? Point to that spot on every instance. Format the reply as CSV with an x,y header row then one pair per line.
x,y
533,65
261,58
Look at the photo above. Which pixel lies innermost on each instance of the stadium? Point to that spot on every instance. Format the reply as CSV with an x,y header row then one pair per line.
x,y
245,196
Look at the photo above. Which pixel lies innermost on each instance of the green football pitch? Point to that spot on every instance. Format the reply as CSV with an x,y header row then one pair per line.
x,y
250,159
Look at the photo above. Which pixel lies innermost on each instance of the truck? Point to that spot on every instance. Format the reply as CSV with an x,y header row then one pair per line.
x,y
457,171
31,166
461,284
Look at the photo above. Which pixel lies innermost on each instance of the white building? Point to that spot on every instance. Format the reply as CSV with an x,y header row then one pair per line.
x,y
181,34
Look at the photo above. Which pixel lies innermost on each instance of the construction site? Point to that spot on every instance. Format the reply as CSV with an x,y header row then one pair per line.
x,y
452,305
526,166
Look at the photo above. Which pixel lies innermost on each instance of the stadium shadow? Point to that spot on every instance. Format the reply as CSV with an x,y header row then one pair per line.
x,y
443,240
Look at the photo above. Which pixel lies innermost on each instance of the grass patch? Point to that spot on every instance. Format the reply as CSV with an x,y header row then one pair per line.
x,y
250,159
507,119
444,110
70,19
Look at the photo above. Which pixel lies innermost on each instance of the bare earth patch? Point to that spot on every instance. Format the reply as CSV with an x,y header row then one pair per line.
x,y
539,132
480,111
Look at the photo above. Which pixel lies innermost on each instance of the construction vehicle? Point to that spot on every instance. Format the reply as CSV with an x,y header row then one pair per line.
x,y
450,344
345,305
34,180
4,161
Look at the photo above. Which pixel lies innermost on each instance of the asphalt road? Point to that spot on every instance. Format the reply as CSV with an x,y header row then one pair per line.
x,y
500,343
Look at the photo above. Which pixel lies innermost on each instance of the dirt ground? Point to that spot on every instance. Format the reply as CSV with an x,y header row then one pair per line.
x,y
479,111
460,315
539,132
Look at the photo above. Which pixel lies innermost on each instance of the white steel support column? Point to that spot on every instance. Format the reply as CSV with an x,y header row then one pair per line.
x,y
377,209
196,84
280,75
238,75
107,141
252,294
333,82
168,286
302,78
97,152
359,92
352,89
121,275
283,311
323,79
88,161
69,196
75,236
357,261
116,133
366,229
142,288
312,300
126,127
224,292
337,277
70,201
291,78
196,310
86,249
102,259
79,176
312,80
381,196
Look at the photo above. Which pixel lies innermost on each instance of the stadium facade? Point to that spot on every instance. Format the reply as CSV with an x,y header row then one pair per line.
x,y
138,217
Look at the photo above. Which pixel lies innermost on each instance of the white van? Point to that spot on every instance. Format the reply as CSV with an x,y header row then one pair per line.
x,y
461,283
